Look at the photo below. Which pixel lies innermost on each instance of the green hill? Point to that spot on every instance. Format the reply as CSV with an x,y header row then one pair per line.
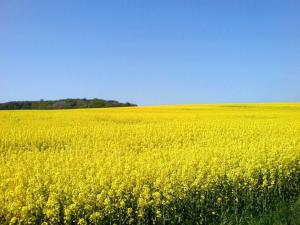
x,y
69,103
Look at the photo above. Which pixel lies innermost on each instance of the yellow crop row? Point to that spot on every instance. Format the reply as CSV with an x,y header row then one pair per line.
x,y
185,164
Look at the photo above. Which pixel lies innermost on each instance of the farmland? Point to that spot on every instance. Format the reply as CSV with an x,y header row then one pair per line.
x,y
184,164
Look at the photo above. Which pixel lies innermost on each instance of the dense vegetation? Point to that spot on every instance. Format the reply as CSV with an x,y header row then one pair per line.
x,y
64,104
168,165
283,213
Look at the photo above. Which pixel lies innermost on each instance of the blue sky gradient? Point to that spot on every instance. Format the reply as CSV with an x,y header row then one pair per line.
x,y
150,52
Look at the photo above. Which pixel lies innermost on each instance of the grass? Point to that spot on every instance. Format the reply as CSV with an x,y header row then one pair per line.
x,y
285,213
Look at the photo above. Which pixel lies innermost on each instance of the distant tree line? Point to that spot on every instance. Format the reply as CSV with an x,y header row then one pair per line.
x,y
64,104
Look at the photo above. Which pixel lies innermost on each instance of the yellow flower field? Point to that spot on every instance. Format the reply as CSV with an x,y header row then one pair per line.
x,y
185,164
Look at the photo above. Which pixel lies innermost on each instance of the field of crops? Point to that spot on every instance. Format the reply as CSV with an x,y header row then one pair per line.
x,y
186,164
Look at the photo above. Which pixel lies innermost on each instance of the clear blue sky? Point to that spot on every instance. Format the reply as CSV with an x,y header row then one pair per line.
x,y
150,52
